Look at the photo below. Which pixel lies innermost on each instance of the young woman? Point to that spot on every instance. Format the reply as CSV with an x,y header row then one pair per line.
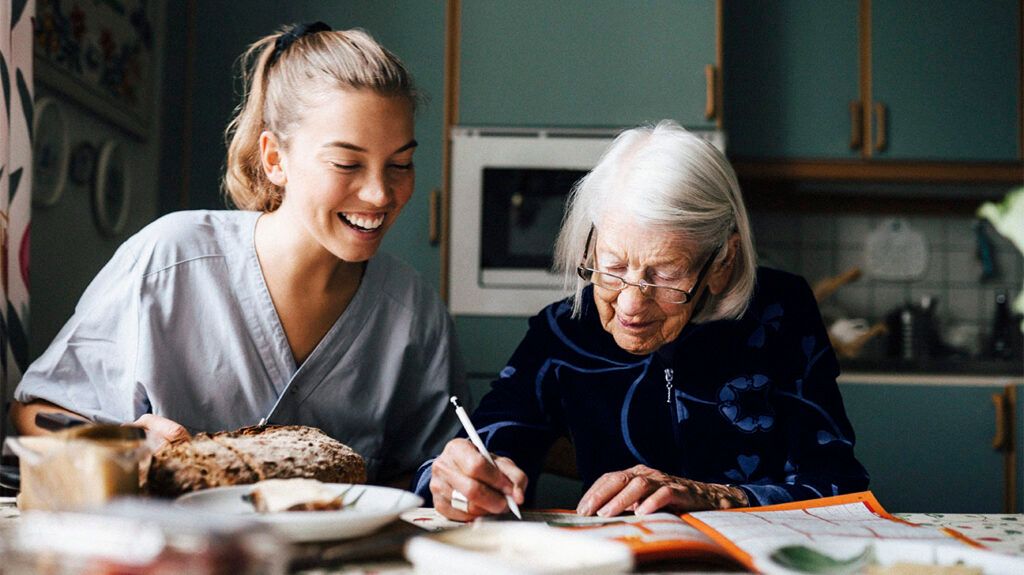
x,y
282,311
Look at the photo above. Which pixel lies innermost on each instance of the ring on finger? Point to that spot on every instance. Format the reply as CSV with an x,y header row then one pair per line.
x,y
459,501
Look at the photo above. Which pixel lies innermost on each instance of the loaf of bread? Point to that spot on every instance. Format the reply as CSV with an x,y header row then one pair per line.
x,y
249,455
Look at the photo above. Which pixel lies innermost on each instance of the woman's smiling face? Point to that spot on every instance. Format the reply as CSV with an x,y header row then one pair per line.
x,y
639,324
348,170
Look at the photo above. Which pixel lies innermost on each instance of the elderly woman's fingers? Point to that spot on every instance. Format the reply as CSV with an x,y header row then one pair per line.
x,y
603,490
458,468
470,462
638,488
478,495
664,498
451,504
515,475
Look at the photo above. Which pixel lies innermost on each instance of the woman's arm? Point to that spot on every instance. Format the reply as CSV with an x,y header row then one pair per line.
x,y
88,368
23,415
513,424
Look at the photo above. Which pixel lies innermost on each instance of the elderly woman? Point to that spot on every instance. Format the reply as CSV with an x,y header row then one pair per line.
x,y
686,377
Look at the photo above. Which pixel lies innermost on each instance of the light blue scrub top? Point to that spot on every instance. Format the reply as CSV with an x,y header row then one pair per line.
x,y
180,324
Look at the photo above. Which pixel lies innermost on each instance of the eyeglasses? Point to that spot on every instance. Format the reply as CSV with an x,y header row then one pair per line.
x,y
664,294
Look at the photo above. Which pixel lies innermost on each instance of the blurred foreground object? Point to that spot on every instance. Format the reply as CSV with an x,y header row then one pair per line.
x,y
135,537
82,466
516,549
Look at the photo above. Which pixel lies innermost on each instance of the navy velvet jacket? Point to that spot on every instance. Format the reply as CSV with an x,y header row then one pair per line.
x,y
751,402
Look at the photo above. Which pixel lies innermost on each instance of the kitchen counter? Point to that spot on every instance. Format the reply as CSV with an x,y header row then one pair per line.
x,y
950,371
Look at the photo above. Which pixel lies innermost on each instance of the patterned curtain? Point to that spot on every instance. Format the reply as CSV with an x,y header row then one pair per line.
x,y
16,35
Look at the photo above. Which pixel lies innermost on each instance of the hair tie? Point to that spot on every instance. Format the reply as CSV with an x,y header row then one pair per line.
x,y
286,39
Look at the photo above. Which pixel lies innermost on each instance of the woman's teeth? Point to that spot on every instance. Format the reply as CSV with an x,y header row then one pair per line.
x,y
366,223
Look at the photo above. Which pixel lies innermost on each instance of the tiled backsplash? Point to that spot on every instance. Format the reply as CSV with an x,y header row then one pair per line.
x,y
819,246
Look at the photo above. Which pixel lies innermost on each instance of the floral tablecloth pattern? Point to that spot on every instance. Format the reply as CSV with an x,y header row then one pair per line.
x,y
998,532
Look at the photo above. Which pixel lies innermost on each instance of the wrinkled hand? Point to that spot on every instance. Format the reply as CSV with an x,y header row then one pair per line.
x,y
644,490
166,430
460,466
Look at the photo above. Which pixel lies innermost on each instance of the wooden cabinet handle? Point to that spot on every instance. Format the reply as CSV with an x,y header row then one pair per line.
x,y
856,125
1001,441
881,127
710,78
434,215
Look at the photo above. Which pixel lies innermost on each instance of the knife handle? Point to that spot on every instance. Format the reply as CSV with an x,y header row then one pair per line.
x,y
56,421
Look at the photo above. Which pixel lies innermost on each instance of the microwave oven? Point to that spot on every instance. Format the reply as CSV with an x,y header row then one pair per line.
x,y
508,192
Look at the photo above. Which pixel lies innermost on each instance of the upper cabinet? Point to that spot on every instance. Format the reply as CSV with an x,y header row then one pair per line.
x,y
790,72
946,76
859,82
601,63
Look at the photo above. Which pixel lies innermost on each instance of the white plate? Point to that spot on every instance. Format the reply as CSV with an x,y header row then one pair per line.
x,y
377,506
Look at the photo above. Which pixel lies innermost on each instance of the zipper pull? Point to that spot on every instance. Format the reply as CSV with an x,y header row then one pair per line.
x,y
668,384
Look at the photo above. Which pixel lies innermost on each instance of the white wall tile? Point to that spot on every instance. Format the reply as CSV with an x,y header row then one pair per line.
x,y
889,297
852,230
962,304
962,267
817,264
818,231
959,232
772,229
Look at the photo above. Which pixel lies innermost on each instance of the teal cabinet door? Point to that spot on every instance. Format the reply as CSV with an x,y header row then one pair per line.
x,y
948,74
577,63
790,73
928,448
1018,446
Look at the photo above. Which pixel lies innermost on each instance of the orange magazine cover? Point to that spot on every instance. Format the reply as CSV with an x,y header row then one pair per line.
x,y
664,536
750,534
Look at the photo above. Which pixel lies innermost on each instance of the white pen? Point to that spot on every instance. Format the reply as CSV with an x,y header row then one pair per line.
x,y
475,438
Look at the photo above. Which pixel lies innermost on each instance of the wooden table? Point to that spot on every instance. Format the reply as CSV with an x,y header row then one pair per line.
x,y
999,532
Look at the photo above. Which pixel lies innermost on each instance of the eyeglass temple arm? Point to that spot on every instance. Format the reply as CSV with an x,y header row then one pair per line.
x,y
586,247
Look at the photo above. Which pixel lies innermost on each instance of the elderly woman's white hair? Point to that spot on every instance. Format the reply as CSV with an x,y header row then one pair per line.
x,y
672,182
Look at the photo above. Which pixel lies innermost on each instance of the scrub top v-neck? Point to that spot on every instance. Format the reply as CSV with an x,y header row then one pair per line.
x,y
180,323
292,378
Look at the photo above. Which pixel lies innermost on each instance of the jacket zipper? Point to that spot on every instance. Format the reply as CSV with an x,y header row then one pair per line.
x,y
669,374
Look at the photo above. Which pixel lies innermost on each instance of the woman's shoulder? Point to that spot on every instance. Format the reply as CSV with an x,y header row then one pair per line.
x,y
187,235
780,297
778,286
200,224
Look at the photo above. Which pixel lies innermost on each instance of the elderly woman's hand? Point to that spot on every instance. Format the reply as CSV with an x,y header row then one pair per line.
x,y
460,467
644,490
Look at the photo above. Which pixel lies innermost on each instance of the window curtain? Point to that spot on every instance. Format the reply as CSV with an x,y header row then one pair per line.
x,y
16,35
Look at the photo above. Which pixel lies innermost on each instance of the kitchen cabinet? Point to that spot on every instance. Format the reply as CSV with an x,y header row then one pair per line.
x,y
844,85
587,63
929,448
948,76
790,70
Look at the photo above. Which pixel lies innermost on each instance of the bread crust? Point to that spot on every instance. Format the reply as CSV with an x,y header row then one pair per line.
x,y
251,454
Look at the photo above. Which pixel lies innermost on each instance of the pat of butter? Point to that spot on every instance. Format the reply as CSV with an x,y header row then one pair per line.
x,y
276,495
61,473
